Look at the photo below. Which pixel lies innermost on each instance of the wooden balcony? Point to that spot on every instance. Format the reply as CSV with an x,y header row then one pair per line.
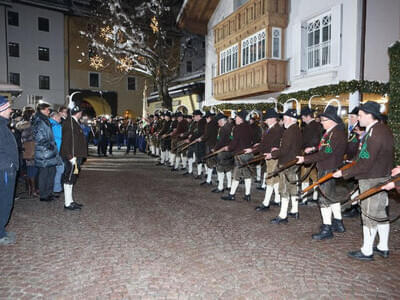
x,y
248,19
265,76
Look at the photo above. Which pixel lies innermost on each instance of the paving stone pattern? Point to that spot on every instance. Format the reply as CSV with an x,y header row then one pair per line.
x,y
148,233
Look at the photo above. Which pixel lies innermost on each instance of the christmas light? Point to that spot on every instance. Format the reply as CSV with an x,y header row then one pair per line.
x,y
104,32
154,24
96,62
125,64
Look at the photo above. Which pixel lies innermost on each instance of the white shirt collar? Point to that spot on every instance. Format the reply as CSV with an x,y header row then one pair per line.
x,y
330,129
370,125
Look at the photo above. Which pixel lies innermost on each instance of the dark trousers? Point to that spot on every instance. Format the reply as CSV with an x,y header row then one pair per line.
x,y
46,181
131,144
102,145
7,186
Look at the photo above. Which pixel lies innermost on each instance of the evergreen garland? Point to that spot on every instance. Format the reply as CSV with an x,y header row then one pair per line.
x,y
343,87
394,96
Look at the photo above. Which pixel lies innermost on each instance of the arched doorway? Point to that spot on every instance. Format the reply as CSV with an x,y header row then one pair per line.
x,y
183,109
98,105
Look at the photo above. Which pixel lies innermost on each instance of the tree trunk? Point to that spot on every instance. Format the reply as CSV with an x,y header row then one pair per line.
x,y
166,100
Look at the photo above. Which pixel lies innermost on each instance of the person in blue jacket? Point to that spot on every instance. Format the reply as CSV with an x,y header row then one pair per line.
x,y
55,121
9,164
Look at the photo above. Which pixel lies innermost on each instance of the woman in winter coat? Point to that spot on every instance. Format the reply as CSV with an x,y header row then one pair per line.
x,y
46,154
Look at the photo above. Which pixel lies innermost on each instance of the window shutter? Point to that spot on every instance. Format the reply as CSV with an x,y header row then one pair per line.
x,y
336,35
299,48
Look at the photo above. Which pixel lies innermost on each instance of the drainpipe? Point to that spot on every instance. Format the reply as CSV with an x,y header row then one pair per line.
x,y
363,33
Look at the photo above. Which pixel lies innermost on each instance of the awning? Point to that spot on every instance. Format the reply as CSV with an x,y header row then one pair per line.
x,y
15,90
100,105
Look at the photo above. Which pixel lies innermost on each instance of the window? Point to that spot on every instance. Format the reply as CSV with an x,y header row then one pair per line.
x,y
238,3
13,18
94,79
319,42
131,83
189,67
44,54
44,82
276,42
43,24
13,49
253,48
15,78
229,59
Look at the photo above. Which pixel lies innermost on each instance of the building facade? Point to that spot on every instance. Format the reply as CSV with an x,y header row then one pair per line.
x,y
258,49
33,56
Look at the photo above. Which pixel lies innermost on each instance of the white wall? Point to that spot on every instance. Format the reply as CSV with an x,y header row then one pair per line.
x,y
224,9
345,27
28,65
3,47
383,28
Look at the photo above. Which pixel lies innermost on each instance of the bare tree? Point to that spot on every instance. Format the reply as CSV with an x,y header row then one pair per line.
x,y
141,36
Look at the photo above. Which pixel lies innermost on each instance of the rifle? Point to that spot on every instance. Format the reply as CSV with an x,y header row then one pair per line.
x,y
177,147
252,148
188,145
254,160
327,177
212,154
284,167
375,189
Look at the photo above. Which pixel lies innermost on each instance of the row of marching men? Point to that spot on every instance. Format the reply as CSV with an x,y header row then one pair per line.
x,y
315,156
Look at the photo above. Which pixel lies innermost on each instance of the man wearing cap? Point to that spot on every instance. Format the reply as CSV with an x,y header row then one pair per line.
x,y
225,158
199,147
329,157
291,146
242,139
374,165
178,137
153,135
172,130
312,133
210,139
73,151
9,164
165,139
257,132
187,154
46,154
353,120
271,138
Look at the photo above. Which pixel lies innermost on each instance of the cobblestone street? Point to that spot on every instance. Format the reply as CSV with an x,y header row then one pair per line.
x,y
147,233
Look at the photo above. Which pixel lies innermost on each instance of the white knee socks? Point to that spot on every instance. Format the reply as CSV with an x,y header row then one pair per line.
x,y
268,195
284,208
68,194
220,176
209,174
276,191
247,186
326,213
263,183
368,240
235,184
383,232
336,210
228,179
177,161
184,161
258,172
295,205
190,169
162,156
199,169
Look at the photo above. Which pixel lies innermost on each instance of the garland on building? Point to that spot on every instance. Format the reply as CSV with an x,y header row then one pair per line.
x,y
394,95
343,87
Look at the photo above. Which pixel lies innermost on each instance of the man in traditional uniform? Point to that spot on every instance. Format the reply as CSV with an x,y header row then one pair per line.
x,y
165,139
242,139
312,132
178,136
172,130
188,153
153,136
73,151
290,147
210,139
224,158
271,138
198,148
257,134
329,157
374,165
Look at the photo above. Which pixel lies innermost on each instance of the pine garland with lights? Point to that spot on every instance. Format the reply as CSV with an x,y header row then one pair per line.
x,y
394,96
343,87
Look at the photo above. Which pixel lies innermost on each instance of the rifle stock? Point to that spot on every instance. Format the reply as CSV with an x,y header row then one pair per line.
x,y
188,145
376,189
285,166
254,160
327,177
212,154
